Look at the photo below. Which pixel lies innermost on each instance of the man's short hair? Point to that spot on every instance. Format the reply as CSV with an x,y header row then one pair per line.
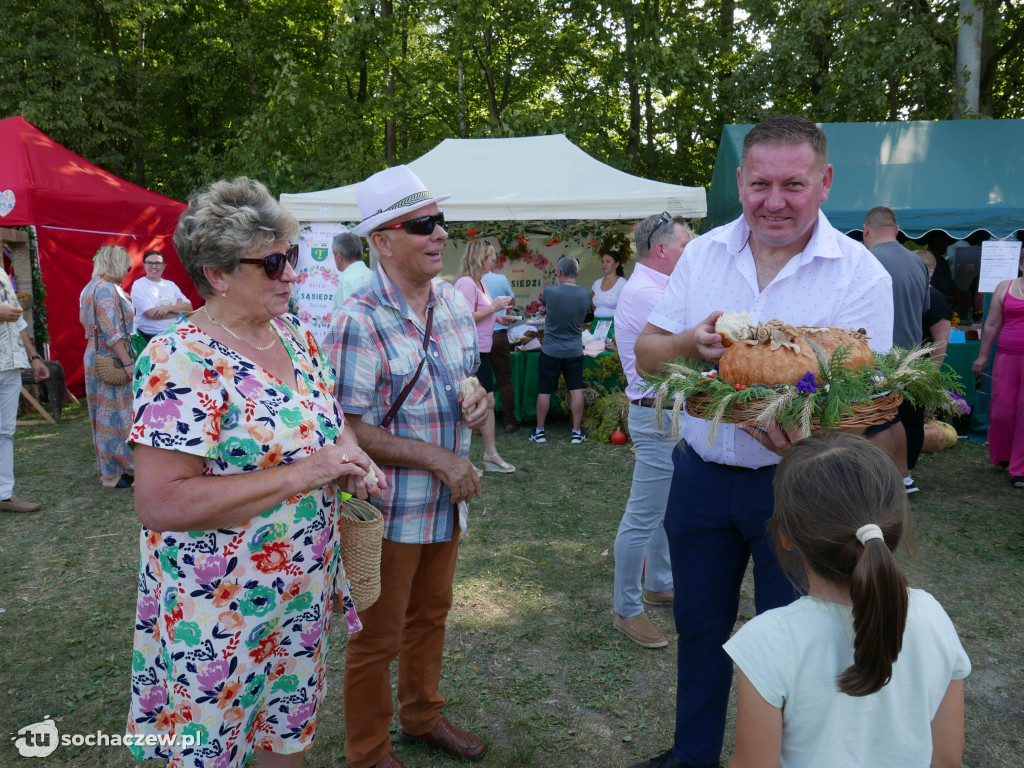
x,y
348,245
928,257
787,129
567,266
654,229
879,217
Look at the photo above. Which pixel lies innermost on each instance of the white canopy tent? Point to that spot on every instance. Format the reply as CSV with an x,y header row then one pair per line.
x,y
525,179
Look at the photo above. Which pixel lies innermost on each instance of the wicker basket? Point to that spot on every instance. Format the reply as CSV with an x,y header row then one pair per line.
x,y
879,410
362,529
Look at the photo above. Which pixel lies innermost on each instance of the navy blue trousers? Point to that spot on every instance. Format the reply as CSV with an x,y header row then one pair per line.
x,y
716,521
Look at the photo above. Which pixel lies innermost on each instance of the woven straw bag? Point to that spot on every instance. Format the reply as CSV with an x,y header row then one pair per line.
x,y
110,370
362,529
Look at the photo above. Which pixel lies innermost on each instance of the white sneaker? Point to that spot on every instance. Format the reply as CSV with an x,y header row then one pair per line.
x,y
910,485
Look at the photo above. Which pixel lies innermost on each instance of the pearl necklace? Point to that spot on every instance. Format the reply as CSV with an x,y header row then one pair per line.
x,y
273,341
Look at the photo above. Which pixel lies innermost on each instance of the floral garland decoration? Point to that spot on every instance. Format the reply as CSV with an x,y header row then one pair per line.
x,y
911,373
514,237
41,334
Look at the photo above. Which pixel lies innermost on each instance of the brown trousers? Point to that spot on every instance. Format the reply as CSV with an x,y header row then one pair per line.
x,y
407,622
501,364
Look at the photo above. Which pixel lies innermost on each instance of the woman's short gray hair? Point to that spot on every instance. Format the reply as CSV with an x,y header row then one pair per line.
x,y
111,261
226,221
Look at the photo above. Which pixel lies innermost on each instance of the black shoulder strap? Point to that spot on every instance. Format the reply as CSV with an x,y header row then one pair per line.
x,y
390,415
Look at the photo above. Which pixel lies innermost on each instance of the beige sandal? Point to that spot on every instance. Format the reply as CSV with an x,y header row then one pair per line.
x,y
494,463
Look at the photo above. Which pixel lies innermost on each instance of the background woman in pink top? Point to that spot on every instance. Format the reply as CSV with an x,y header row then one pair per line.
x,y
477,261
1006,411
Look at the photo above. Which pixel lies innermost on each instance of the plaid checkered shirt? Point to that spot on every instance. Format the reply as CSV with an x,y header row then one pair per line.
x,y
376,345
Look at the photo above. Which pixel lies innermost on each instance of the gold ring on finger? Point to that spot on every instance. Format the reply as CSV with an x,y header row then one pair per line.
x,y
344,458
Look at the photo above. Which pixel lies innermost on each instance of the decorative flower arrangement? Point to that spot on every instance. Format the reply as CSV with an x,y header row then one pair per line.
x,y
513,238
826,404
963,408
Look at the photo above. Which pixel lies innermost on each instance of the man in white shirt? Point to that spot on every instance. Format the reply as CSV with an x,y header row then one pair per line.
x,y
348,258
157,302
780,259
641,547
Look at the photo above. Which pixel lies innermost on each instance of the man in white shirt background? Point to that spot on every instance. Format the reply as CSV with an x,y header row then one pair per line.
x,y
348,258
157,302
641,547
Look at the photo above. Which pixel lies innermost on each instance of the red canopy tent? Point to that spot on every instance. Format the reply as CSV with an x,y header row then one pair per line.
x,y
76,207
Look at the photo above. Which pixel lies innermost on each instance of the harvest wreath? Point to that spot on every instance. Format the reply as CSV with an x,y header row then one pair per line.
x,y
800,377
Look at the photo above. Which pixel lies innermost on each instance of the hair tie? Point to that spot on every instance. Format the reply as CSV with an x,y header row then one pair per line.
x,y
868,532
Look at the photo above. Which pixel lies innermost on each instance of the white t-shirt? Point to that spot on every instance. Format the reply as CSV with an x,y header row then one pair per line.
x,y
792,656
835,281
146,295
606,301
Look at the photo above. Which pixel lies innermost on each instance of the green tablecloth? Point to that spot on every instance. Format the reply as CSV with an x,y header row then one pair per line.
x,y
959,357
524,382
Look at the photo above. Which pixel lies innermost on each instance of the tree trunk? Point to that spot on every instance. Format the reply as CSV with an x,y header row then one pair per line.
x,y
968,56
250,55
633,144
139,177
390,138
462,94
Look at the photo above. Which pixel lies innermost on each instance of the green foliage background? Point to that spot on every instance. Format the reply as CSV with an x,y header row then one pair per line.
x,y
307,94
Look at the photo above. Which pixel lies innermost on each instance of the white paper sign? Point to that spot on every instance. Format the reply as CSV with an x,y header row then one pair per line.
x,y
999,260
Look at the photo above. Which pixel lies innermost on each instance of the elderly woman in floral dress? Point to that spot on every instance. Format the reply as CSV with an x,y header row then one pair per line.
x,y
238,447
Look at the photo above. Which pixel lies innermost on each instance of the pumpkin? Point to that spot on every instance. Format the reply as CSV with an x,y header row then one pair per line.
x,y
618,437
949,432
934,437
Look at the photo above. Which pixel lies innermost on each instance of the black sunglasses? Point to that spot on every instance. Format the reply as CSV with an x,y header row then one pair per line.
x,y
661,220
273,263
423,225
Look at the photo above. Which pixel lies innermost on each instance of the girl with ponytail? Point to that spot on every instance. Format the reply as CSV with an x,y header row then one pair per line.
x,y
861,671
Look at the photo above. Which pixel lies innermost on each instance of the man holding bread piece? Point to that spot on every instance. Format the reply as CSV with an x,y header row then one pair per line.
x,y
780,260
402,347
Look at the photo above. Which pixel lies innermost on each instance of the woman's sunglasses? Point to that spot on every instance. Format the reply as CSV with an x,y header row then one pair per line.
x,y
423,225
273,263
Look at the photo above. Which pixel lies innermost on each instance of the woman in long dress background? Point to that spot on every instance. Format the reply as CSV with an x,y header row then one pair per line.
x,y
107,317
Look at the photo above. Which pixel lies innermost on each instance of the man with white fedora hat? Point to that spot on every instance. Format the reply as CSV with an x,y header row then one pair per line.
x,y
401,348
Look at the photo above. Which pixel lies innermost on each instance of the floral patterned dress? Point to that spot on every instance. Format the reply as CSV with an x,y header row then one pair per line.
x,y
231,631
107,313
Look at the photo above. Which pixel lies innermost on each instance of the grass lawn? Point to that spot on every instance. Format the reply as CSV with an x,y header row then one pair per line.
x,y
532,662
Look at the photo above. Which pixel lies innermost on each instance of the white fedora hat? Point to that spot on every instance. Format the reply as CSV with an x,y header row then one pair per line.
x,y
389,194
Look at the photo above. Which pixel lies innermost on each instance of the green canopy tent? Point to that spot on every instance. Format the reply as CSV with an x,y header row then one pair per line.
x,y
958,176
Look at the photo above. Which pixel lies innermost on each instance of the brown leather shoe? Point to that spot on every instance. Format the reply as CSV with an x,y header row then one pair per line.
x,y
460,744
14,504
389,761
659,599
640,630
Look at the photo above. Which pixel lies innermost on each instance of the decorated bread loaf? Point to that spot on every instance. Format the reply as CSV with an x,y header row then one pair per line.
x,y
779,353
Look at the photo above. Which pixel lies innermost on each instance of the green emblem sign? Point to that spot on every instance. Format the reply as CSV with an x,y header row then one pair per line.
x,y
318,254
